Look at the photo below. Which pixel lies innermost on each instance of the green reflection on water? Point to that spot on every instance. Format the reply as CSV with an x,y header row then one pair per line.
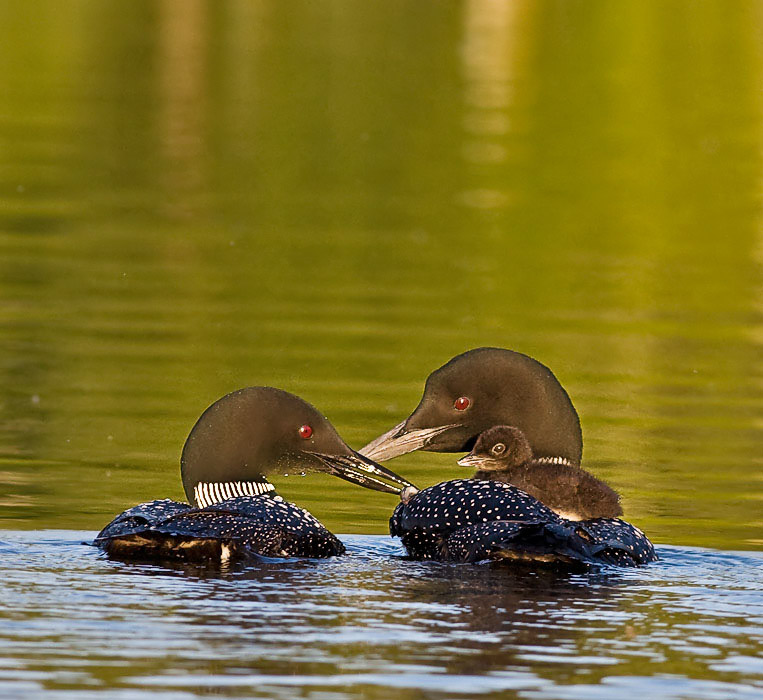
x,y
335,198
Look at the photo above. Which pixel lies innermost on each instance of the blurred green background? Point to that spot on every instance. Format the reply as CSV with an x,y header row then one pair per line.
x,y
336,197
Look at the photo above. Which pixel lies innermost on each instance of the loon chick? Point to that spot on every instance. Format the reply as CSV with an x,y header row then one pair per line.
x,y
502,453
234,511
470,519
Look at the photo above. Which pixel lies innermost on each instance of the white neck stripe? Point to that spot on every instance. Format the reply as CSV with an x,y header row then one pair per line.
x,y
206,494
554,460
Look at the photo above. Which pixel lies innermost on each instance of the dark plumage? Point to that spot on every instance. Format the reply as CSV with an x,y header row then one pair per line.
x,y
468,520
474,519
502,453
236,512
237,528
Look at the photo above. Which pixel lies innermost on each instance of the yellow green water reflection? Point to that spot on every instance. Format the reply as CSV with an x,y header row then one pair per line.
x,y
335,198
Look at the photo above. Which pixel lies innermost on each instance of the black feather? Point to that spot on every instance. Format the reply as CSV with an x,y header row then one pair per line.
x,y
242,527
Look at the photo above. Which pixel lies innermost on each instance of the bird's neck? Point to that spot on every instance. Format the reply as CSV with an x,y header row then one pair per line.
x,y
206,493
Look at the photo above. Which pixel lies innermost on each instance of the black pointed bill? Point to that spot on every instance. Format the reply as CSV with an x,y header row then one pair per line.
x,y
400,441
362,471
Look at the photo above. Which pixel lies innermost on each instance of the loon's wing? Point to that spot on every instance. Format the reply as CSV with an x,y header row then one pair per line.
x,y
536,542
450,505
617,542
599,541
426,521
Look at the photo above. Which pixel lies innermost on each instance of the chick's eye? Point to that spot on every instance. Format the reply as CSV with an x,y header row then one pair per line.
x,y
461,403
305,432
498,448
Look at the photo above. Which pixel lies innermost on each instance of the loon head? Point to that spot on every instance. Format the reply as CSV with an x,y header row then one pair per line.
x,y
480,389
499,449
252,432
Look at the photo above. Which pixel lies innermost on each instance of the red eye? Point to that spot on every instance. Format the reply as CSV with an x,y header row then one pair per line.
x,y
305,431
461,403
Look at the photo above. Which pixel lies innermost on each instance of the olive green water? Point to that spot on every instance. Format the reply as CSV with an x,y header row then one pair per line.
x,y
335,198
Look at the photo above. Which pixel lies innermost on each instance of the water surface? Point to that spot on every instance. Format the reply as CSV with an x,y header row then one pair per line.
x,y
371,623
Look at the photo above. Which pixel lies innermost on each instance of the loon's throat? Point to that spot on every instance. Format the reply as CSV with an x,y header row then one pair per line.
x,y
207,493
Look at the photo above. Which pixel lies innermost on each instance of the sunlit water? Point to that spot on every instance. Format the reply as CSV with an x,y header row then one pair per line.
x,y
335,198
375,624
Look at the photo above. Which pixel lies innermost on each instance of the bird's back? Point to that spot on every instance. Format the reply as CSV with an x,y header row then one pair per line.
x,y
239,528
471,520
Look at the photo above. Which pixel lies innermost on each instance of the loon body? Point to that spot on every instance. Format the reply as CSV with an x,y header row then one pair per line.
x,y
468,520
233,510
532,501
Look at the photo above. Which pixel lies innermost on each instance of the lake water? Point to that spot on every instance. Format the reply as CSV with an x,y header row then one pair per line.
x,y
372,624
335,198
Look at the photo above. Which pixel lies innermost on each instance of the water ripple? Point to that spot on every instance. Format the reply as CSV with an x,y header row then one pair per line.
x,y
688,626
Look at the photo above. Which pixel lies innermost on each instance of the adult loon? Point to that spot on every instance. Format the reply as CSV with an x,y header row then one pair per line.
x,y
474,519
234,511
